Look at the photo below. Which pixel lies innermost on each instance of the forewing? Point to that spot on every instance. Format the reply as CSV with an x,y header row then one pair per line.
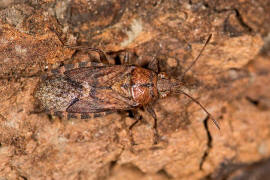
x,y
98,76
101,100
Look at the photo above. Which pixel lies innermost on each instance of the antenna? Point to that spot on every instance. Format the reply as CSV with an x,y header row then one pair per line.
x,y
193,99
197,58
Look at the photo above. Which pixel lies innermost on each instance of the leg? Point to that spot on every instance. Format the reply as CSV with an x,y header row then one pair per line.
x,y
126,58
150,109
153,65
102,55
137,118
103,58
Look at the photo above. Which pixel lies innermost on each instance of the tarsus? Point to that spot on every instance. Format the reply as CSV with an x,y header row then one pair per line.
x,y
197,102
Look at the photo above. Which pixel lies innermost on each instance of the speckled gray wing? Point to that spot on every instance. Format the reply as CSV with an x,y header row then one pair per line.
x,y
57,93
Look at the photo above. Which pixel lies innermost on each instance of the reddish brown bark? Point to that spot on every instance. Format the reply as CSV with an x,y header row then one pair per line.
x,y
231,79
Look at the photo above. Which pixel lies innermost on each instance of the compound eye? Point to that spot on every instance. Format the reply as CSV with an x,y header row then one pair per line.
x,y
163,75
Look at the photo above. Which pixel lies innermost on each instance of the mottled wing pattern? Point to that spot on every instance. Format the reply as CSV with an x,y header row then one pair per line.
x,y
101,100
103,76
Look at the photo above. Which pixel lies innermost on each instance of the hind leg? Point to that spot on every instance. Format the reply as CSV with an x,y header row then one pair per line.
x,y
103,58
102,55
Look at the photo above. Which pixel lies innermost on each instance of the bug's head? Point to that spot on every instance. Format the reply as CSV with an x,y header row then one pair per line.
x,y
167,85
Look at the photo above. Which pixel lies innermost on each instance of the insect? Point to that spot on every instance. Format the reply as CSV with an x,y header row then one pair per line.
x,y
88,88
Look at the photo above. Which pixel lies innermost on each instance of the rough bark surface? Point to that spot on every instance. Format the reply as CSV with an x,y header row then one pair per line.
x,y
231,79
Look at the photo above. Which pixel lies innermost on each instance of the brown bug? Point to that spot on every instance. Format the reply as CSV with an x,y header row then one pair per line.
x,y
94,89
